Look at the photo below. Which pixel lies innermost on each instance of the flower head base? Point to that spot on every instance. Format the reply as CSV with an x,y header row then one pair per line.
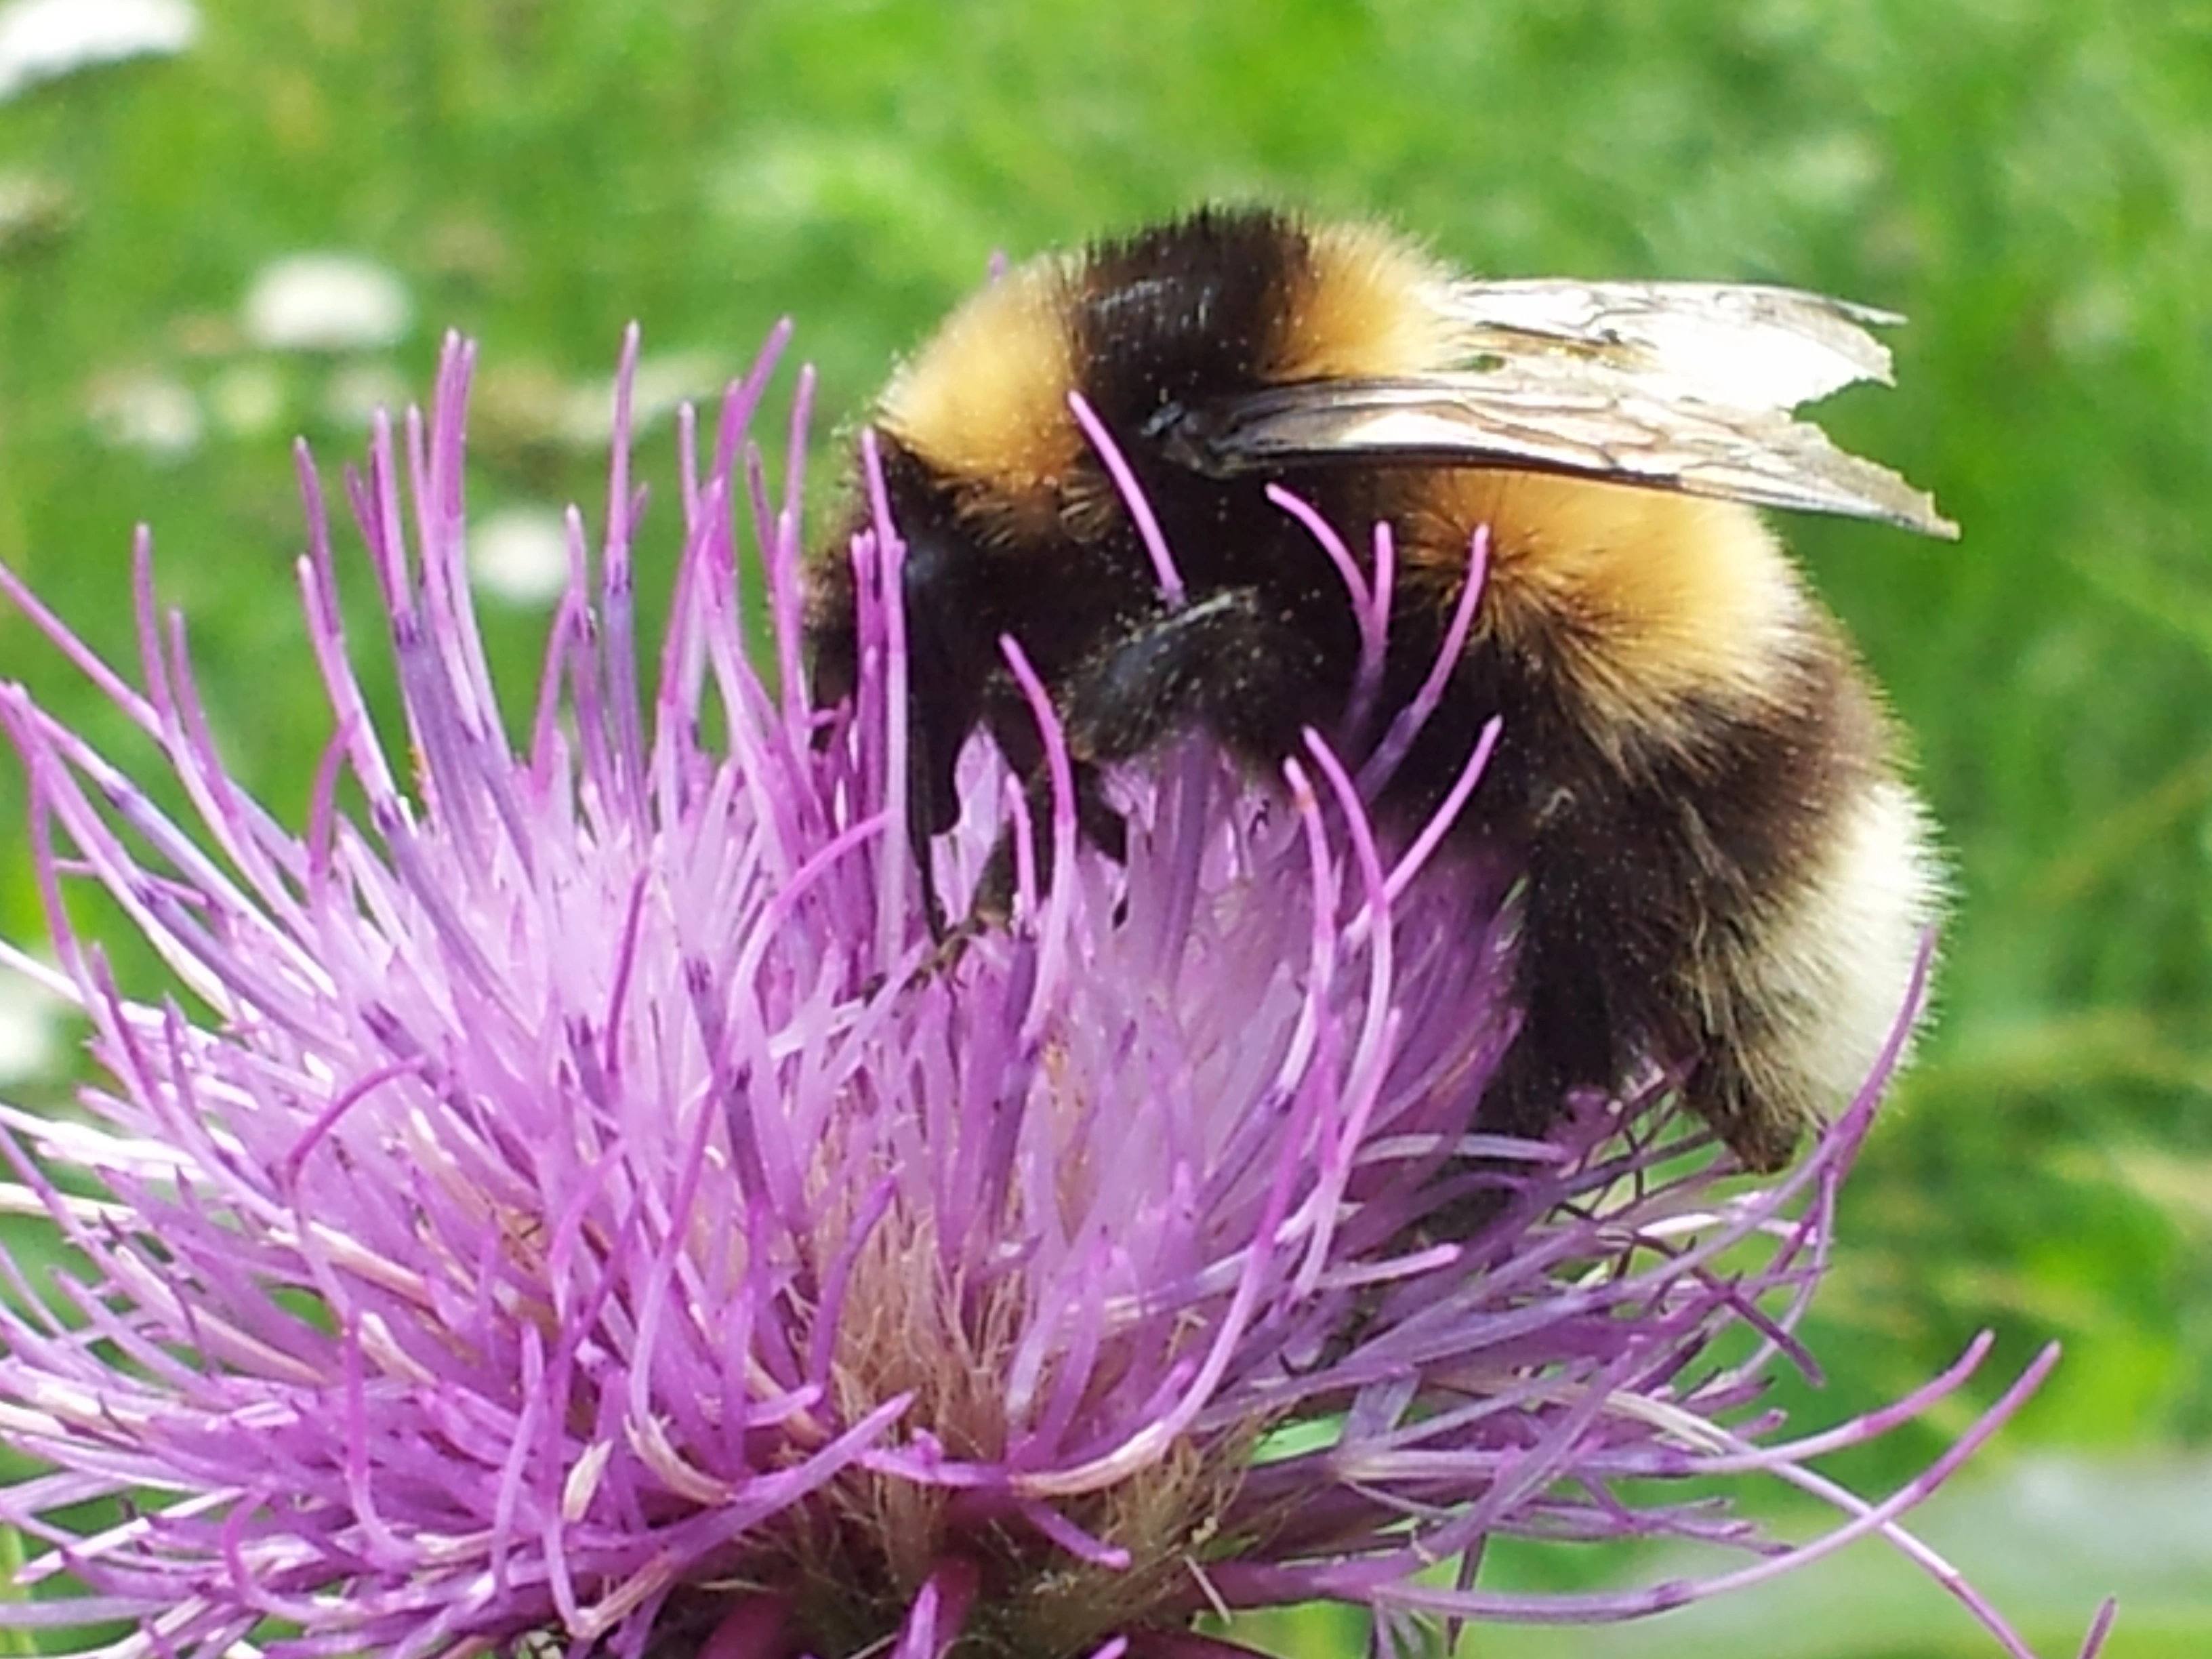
x,y
572,1212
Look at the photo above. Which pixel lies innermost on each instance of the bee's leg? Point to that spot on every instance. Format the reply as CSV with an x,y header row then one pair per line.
x,y
1224,663
1602,974
1096,822
1632,954
1567,1039
919,839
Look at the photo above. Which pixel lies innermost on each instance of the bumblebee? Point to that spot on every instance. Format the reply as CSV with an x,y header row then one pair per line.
x,y
1720,868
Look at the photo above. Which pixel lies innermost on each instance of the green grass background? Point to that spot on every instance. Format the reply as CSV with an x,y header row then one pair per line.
x,y
2031,182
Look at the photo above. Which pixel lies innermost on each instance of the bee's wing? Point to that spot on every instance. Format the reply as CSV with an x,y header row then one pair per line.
x,y
1673,386
1741,345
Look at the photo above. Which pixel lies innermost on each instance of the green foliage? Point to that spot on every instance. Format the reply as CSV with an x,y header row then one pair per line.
x,y
2032,184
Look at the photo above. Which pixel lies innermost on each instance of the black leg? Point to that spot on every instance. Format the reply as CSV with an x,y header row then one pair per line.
x,y
1096,820
1225,665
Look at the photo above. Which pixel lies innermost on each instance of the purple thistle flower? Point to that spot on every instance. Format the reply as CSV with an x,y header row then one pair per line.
x,y
563,1207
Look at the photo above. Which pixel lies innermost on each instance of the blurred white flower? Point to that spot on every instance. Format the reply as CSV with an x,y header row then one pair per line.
x,y
150,412
326,302
42,40
520,554
30,1025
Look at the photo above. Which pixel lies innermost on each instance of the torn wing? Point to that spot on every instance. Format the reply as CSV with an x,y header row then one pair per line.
x,y
1672,385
